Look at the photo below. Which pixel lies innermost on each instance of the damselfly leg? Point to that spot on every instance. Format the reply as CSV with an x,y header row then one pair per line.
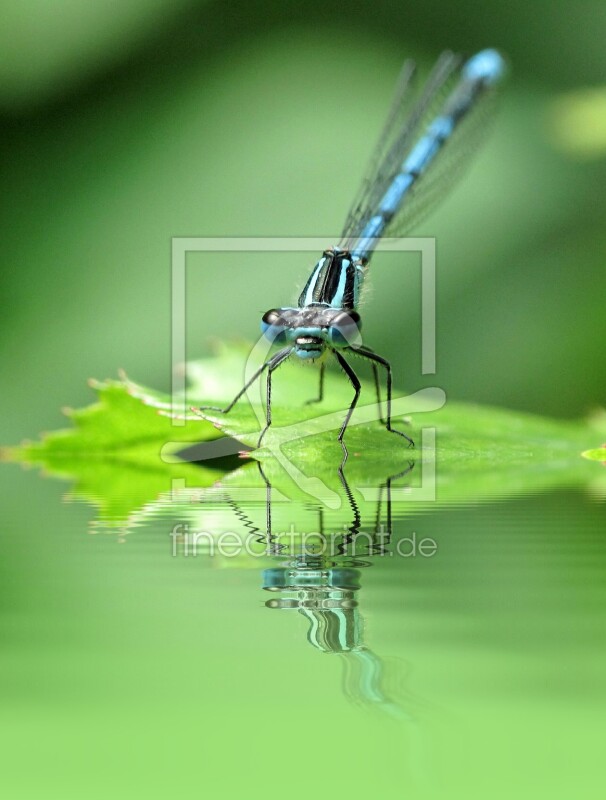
x,y
355,382
375,359
320,396
282,355
269,365
275,362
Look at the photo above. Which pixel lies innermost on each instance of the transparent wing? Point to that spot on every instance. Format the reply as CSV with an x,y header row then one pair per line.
x,y
401,104
406,121
445,171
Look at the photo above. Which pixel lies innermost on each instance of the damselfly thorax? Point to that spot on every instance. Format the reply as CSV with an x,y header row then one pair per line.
x,y
326,315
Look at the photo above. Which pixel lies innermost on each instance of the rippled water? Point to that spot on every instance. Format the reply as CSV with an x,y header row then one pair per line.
x,y
136,664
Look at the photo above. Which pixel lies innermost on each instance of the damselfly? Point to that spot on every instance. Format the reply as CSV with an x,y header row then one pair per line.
x,y
407,172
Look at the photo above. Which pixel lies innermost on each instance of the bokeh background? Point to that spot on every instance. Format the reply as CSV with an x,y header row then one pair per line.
x,y
123,124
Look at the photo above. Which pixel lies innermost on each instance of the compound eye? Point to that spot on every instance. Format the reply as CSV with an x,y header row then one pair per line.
x,y
273,325
273,317
344,330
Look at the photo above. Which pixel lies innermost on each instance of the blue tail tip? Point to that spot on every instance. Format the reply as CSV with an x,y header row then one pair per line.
x,y
487,65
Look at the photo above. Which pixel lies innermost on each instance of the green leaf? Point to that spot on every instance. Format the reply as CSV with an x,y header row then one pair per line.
x,y
469,436
112,452
123,451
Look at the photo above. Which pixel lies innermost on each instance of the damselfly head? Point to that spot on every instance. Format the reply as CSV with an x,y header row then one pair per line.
x,y
313,328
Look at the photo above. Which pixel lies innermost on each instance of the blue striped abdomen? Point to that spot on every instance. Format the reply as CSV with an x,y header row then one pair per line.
x,y
477,75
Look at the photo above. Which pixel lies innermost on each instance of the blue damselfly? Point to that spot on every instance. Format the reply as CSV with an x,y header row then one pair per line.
x,y
423,146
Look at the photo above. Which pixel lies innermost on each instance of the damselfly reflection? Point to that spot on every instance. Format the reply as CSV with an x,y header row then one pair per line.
x,y
319,575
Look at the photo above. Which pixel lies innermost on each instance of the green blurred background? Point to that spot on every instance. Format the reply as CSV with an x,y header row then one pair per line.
x,y
126,124
126,673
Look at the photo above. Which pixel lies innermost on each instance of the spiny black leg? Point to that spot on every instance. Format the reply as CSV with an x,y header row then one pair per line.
x,y
356,384
320,396
365,353
375,372
247,385
273,364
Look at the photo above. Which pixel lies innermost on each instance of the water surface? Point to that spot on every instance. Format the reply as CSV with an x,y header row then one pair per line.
x,y
132,669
